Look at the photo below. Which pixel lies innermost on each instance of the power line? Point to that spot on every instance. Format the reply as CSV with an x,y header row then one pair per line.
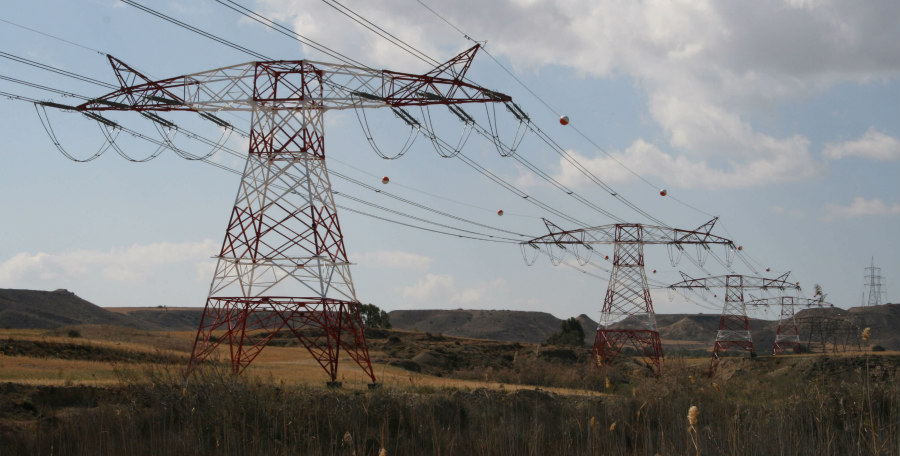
x,y
286,31
56,70
270,23
162,145
554,111
545,137
179,22
52,36
422,56
196,30
745,258
378,31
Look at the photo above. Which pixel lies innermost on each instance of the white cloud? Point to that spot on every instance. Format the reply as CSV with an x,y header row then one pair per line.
x,y
429,285
134,264
873,145
393,259
442,290
648,160
861,207
706,66
787,211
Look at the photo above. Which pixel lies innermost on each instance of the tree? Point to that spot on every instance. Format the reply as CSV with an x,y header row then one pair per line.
x,y
570,333
373,317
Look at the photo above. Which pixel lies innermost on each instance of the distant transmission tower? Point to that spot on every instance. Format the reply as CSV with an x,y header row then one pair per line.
x,y
734,326
283,265
627,316
875,285
787,337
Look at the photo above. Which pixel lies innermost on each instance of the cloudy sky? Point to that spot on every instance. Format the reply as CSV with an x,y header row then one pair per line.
x,y
781,118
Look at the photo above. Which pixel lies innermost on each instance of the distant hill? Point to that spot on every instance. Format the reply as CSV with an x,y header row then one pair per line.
x,y
691,331
163,318
53,309
884,321
833,325
507,325
590,328
823,326
534,327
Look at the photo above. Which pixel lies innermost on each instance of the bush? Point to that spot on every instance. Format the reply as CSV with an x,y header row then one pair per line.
x,y
76,333
570,333
878,348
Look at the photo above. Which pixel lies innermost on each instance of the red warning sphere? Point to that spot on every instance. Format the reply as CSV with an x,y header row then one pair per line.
x,y
663,192
385,180
500,212
564,120
654,271
606,257
767,269
740,247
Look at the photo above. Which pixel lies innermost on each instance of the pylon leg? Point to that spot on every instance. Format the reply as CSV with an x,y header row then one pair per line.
x,y
324,327
609,342
782,346
246,324
723,346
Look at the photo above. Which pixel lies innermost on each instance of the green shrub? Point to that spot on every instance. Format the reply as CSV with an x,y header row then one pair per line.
x,y
570,333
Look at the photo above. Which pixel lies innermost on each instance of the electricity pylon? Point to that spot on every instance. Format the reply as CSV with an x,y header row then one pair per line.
x,y
734,326
787,337
627,315
283,264
874,283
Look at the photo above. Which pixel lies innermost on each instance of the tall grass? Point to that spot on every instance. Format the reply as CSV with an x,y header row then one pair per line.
x,y
826,411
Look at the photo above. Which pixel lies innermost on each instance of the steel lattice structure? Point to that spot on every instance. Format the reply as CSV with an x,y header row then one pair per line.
x,y
787,337
734,326
830,326
875,285
627,303
283,264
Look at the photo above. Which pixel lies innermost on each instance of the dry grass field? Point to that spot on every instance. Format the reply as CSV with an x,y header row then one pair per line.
x,y
112,390
116,351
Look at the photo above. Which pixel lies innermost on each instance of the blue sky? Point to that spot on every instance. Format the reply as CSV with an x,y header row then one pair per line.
x,y
781,118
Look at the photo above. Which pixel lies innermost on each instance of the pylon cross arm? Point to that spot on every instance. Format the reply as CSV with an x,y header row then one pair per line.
x,y
302,83
745,282
635,232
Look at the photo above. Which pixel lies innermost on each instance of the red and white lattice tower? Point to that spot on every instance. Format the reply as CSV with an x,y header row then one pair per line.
x,y
734,326
627,315
283,264
787,337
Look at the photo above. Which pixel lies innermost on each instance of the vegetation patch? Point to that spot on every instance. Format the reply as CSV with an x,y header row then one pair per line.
x,y
83,352
217,414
